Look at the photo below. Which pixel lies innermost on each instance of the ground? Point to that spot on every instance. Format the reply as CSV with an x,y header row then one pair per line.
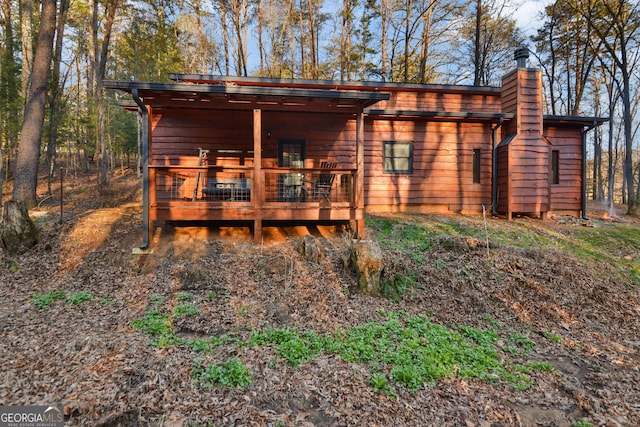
x,y
83,351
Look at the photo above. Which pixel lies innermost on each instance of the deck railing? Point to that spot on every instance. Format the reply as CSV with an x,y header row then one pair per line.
x,y
219,185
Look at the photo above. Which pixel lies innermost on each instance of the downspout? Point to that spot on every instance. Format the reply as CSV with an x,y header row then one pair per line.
x,y
583,189
494,167
144,113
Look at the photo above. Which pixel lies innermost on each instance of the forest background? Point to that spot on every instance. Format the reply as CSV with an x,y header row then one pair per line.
x,y
54,56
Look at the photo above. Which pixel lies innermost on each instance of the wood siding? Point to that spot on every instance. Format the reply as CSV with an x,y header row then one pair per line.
x,y
441,101
524,163
229,137
566,195
442,166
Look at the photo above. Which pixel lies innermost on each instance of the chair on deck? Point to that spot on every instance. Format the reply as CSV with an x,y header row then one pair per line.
x,y
321,186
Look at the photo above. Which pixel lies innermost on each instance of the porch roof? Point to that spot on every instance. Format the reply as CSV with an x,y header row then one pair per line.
x,y
229,96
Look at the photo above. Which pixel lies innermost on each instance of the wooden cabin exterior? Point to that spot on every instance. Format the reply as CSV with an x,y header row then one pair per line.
x,y
273,150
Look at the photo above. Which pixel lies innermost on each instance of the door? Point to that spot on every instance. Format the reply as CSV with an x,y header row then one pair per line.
x,y
291,154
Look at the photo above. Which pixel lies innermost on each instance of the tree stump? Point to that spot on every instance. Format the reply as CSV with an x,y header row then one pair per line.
x,y
366,261
18,233
308,247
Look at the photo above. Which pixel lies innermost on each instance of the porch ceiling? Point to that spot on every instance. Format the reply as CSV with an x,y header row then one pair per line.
x,y
208,96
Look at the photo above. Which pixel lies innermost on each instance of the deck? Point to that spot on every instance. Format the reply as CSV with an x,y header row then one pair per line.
x,y
212,193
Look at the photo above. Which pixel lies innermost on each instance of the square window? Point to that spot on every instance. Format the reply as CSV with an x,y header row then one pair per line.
x,y
398,157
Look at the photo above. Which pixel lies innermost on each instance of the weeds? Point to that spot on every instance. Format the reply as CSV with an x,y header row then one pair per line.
x,y
403,351
231,373
45,300
185,310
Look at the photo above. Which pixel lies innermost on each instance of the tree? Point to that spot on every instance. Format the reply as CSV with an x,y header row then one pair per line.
x,y
26,178
616,23
10,99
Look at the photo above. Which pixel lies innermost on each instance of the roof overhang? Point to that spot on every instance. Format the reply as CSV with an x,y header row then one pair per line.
x,y
574,120
470,116
336,84
231,96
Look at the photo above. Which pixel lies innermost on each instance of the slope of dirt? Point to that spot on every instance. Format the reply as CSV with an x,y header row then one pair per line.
x,y
88,356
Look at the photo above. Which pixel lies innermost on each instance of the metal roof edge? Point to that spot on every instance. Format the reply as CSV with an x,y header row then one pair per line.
x,y
360,85
247,90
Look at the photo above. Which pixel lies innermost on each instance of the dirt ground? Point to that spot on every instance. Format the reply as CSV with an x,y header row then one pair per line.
x,y
88,356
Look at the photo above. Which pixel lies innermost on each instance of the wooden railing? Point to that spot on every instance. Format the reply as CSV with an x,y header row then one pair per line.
x,y
235,185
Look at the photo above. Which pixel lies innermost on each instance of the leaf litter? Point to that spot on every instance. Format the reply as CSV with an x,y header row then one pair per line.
x,y
106,373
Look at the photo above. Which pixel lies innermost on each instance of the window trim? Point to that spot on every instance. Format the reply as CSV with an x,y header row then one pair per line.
x,y
394,170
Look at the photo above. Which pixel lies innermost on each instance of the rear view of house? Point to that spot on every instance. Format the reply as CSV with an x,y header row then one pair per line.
x,y
276,150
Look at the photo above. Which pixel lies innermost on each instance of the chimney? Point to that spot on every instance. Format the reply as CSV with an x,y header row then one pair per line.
x,y
521,55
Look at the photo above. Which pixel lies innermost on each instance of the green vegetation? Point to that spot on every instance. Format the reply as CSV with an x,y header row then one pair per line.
x,y
184,296
185,310
614,245
409,352
46,299
399,350
231,373
78,298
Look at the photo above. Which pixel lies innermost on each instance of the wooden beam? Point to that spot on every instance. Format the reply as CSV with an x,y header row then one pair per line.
x,y
359,178
258,179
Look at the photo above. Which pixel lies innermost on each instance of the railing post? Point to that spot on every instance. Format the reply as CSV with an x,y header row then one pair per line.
x,y
258,181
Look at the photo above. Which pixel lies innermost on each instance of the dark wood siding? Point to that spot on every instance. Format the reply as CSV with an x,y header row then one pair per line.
x,y
439,101
442,165
566,195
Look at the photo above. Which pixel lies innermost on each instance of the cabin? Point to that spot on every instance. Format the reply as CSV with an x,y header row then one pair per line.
x,y
259,151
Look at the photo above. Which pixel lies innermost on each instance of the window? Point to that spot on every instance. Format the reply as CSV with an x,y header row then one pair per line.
x,y
476,166
398,157
555,167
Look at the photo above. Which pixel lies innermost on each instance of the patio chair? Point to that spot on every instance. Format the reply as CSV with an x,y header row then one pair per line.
x,y
321,186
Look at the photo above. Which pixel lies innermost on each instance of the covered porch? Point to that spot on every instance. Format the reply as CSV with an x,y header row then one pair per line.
x,y
254,152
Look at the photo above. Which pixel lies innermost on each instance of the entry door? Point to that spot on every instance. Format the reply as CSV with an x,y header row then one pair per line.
x,y
291,154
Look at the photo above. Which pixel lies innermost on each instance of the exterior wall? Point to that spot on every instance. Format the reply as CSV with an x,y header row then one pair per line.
x,y
442,178
176,137
566,195
529,168
528,155
503,180
431,100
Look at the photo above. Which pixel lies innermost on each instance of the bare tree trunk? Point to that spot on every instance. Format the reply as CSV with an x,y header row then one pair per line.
x,y
55,98
476,50
225,35
26,25
26,179
312,41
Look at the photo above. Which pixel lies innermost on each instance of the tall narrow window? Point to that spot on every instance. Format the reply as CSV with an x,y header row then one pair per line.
x,y
555,167
476,166
398,157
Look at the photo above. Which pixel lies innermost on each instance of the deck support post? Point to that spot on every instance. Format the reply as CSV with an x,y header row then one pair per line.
x,y
359,193
258,178
145,115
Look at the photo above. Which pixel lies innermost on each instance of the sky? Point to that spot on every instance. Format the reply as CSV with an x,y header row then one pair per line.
x,y
527,15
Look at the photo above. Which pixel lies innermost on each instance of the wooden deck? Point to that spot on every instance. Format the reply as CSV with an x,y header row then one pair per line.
x,y
213,193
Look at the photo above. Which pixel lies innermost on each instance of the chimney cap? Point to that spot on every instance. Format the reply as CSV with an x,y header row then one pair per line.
x,y
521,55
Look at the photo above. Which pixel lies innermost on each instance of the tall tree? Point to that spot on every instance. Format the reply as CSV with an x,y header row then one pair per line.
x,y
10,99
26,178
56,91
26,31
616,23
